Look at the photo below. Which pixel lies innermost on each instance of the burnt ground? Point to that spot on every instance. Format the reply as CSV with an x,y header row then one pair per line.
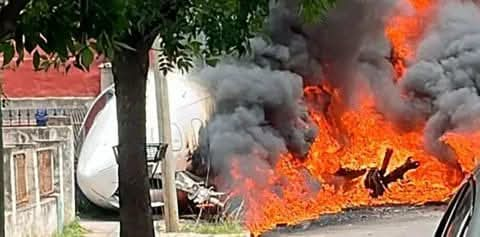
x,y
372,221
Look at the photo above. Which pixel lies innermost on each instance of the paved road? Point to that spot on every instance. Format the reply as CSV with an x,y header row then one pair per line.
x,y
372,222
419,223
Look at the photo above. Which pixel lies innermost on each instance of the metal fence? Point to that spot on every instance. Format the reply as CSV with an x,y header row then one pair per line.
x,y
25,117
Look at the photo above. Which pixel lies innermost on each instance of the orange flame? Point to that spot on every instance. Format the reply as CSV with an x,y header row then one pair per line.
x,y
405,30
289,193
287,196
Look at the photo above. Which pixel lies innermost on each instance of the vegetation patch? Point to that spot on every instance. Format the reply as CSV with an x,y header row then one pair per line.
x,y
74,229
221,227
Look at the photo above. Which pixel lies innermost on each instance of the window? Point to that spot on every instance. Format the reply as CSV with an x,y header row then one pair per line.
x,y
196,126
21,190
177,142
45,167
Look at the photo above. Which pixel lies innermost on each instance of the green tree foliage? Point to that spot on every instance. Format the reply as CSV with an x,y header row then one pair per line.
x,y
314,10
66,30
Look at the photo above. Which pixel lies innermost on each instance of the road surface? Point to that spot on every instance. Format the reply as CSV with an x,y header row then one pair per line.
x,y
374,222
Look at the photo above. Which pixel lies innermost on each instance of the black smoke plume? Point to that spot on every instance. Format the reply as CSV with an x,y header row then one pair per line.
x,y
260,110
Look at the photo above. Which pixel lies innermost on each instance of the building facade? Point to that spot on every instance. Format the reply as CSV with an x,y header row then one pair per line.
x,y
39,180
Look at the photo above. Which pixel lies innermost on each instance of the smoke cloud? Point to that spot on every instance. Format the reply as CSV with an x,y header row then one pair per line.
x,y
259,107
445,78
349,49
258,115
260,111
328,51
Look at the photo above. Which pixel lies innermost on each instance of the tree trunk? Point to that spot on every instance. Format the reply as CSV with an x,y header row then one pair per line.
x,y
130,72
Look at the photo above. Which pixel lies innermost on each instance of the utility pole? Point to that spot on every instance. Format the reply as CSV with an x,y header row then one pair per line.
x,y
106,75
2,177
164,130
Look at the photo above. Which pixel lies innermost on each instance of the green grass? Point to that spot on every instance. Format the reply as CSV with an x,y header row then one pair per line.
x,y
74,229
223,227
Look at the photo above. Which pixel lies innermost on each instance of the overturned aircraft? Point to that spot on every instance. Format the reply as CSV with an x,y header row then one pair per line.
x,y
97,170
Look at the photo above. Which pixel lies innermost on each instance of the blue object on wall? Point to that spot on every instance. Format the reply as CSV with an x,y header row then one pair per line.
x,y
41,116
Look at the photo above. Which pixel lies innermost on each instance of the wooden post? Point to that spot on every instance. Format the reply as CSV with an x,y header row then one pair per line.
x,y
2,177
164,130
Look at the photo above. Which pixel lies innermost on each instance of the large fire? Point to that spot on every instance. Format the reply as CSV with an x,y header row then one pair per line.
x,y
404,31
289,194
297,190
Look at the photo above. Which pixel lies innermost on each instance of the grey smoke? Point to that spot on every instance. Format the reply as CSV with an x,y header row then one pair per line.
x,y
340,51
260,112
260,108
259,104
442,84
258,115
445,78
346,50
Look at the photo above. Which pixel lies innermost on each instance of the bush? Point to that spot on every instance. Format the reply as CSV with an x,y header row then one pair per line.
x,y
74,229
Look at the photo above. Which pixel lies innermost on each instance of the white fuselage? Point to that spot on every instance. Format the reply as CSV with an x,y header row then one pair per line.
x,y
97,170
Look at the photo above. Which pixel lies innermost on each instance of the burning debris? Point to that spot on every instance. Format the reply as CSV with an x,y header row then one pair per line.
x,y
377,180
317,103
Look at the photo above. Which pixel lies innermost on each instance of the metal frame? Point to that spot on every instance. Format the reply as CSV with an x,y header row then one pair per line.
x,y
155,152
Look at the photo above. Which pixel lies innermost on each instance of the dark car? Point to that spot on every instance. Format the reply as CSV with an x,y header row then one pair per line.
x,y
462,218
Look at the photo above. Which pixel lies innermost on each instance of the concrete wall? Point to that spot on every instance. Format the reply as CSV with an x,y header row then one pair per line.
x,y
41,215
32,221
